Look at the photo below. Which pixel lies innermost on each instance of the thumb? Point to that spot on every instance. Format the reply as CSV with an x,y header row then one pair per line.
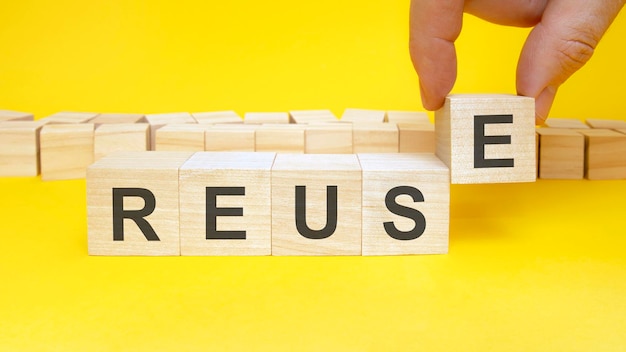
x,y
560,45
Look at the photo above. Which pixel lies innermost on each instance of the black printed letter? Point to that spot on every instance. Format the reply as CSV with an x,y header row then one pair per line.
x,y
212,212
480,140
119,214
414,214
331,214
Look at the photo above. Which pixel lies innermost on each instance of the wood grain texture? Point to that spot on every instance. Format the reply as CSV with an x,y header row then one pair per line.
x,y
230,138
19,148
363,115
156,172
10,115
157,121
411,117
454,130
116,118
66,150
311,116
121,137
375,137
266,117
425,173
283,138
316,172
561,154
181,137
606,124
328,138
69,117
604,154
416,138
555,122
223,169
215,117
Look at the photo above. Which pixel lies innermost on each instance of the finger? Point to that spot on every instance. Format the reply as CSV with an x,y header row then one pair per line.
x,y
434,26
507,12
560,45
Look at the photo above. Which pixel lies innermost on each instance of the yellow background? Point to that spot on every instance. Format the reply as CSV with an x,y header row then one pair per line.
x,y
538,266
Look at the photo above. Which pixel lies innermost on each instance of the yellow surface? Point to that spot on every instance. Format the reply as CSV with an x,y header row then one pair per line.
x,y
537,266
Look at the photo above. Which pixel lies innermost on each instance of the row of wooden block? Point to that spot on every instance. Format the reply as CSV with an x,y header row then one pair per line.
x,y
60,149
242,203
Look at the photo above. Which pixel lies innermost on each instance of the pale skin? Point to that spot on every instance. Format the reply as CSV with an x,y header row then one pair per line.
x,y
564,36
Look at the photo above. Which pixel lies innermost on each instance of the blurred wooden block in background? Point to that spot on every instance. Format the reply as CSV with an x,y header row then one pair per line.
x,y
216,117
230,138
328,138
406,204
66,150
311,116
10,115
157,121
132,204
374,137
280,138
363,115
181,137
607,124
487,138
225,204
604,154
117,118
561,153
325,192
259,118
555,122
412,117
416,138
69,117
121,137
19,148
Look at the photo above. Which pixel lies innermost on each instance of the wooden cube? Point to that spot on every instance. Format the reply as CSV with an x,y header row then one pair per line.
x,y
10,115
375,137
316,204
121,137
607,124
181,137
19,148
409,117
157,121
280,138
117,118
554,122
69,117
363,115
215,117
230,138
266,117
311,116
328,138
66,150
561,154
604,154
225,204
487,138
406,204
132,204
416,138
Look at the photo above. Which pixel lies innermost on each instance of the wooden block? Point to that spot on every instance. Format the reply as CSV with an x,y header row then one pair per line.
x,y
121,137
604,154
412,117
375,137
157,121
66,150
116,118
328,138
280,138
266,117
19,148
69,117
406,204
487,138
561,153
132,204
553,122
10,115
416,138
181,137
363,115
230,138
215,117
225,204
316,204
607,124
311,116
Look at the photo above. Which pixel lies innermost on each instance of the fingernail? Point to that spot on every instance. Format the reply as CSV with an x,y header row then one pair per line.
x,y
543,104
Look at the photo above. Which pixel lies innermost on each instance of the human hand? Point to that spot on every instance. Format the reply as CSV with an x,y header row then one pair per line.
x,y
564,37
